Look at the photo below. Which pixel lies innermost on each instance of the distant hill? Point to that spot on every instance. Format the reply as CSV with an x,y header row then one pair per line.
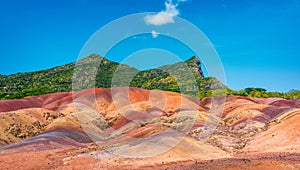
x,y
59,79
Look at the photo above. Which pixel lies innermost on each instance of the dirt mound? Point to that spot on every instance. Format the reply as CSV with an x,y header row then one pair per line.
x,y
282,135
131,128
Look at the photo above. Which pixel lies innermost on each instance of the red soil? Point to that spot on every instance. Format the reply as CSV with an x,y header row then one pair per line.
x,y
249,134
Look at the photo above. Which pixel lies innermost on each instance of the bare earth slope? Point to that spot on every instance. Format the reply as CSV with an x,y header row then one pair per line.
x,y
109,129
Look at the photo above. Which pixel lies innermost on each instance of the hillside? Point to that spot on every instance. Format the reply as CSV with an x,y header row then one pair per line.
x,y
87,130
59,79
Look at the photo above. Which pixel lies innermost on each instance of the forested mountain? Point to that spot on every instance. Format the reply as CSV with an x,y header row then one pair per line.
x,y
184,77
59,79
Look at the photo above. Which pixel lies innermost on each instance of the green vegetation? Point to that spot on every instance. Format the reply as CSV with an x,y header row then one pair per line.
x,y
59,79
251,92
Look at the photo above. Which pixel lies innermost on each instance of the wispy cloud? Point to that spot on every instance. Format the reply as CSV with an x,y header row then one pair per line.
x,y
166,16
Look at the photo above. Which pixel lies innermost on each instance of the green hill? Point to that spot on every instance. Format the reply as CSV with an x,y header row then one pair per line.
x,y
59,79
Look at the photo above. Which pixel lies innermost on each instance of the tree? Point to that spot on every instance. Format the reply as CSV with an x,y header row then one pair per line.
x,y
252,89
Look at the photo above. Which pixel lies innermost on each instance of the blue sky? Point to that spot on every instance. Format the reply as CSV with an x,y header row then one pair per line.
x,y
257,41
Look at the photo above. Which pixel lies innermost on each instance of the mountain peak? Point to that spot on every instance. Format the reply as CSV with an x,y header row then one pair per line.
x,y
193,59
195,64
91,57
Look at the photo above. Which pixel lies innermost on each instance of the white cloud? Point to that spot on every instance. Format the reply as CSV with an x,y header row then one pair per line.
x,y
166,16
159,19
154,34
